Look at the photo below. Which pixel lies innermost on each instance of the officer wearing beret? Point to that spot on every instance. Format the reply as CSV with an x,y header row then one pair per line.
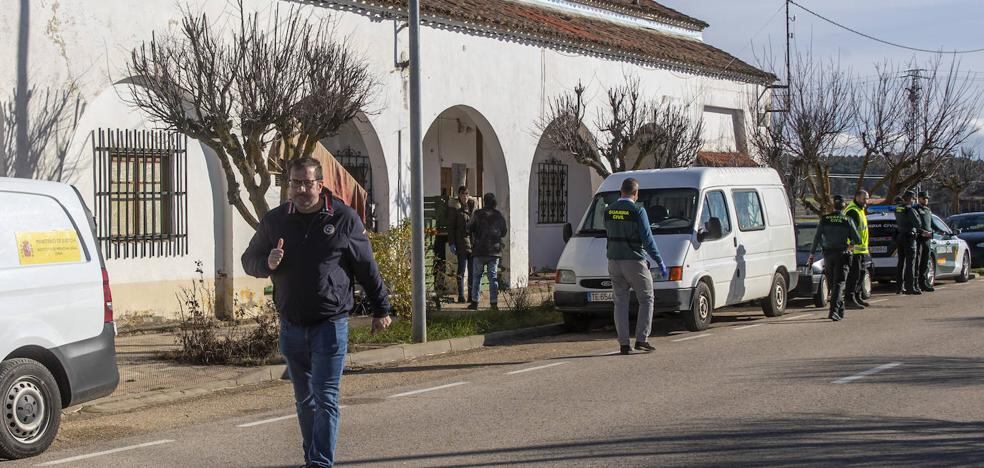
x,y
924,242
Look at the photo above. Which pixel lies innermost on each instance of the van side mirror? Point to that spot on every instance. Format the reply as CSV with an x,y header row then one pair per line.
x,y
713,231
568,232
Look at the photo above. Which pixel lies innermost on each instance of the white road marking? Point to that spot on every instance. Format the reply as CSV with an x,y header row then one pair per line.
x,y
691,337
861,375
425,390
106,452
271,420
939,287
748,326
612,353
536,368
798,317
877,301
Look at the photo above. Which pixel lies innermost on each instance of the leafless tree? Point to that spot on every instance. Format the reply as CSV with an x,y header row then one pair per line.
x,y
638,132
939,109
879,117
292,82
53,115
958,174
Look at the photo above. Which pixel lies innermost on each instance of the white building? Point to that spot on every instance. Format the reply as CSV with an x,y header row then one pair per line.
x,y
489,69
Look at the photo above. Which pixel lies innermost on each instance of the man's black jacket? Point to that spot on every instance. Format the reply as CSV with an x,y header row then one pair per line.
x,y
322,253
487,228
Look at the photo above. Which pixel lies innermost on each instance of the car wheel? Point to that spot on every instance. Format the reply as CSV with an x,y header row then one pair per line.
x,y
931,272
577,322
31,411
866,287
775,304
701,311
965,269
823,294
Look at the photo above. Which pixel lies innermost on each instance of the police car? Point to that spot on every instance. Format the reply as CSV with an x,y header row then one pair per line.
x,y
949,256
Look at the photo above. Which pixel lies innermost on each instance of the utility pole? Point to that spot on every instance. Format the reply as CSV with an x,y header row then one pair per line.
x,y
419,320
915,97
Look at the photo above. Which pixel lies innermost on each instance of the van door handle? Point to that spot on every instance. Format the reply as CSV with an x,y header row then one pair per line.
x,y
736,241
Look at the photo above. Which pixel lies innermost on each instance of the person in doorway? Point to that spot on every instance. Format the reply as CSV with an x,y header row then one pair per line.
x,y
461,243
836,234
630,238
907,227
924,242
314,248
487,228
855,278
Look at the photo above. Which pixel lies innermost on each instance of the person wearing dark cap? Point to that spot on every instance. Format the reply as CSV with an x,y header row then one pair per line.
x,y
487,228
836,235
924,242
907,226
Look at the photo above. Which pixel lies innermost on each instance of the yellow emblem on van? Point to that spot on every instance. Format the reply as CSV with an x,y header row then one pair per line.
x,y
39,248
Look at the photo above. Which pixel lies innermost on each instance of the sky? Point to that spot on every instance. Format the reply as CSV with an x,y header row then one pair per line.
x,y
745,28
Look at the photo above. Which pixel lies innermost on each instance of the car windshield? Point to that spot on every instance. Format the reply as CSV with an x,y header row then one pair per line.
x,y
670,211
973,223
804,236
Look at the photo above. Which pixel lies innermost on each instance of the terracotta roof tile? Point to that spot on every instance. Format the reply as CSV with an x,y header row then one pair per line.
x,y
595,35
649,9
724,159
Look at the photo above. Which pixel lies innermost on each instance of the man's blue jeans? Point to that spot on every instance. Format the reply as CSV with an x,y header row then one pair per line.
x,y
464,264
315,358
488,266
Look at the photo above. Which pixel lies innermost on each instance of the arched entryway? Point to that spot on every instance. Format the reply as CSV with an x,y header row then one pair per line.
x,y
461,148
356,147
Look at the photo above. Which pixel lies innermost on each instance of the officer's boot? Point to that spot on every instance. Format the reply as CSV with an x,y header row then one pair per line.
x,y
860,300
851,302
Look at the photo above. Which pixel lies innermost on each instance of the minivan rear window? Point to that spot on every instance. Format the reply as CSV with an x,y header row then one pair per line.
x,y
670,211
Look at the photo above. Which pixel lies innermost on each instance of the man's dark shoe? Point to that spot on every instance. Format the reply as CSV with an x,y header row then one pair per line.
x,y
928,288
861,301
473,306
835,317
462,300
494,306
624,349
644,346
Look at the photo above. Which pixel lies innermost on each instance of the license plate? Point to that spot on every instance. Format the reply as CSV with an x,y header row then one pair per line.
x,y
600,297
879,249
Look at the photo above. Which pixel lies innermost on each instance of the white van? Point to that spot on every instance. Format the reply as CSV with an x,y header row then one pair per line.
x,y
725,234
56,313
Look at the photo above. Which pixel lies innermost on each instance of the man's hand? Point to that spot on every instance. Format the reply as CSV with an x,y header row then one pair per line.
x,y
380,324
276,255
809,261
454,250
663,272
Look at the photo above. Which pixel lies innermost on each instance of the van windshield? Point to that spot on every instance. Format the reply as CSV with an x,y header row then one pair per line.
x,y
670,211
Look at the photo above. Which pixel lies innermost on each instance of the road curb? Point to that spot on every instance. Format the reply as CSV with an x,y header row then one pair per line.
x,y
373,357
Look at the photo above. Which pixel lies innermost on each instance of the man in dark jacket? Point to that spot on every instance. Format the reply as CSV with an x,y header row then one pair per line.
x,y
836,235
487,228
312,247
924,242
461,244
907,225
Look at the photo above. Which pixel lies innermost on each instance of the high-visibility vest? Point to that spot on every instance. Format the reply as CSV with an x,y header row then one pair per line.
x,y
861,248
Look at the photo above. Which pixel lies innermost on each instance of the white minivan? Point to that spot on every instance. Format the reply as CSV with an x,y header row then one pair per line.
x,y
725,234
57,331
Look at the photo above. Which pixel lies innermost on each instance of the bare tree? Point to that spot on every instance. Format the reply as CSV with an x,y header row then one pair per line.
x,y
958,173
938,115
638,133
52,116
879,109
292,82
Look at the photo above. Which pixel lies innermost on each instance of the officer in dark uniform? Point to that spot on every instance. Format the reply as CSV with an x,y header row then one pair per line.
x,y
924,241
836,235
907,226
630,237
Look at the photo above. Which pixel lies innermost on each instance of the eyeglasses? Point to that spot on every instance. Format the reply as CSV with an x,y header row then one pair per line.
x,y
298,183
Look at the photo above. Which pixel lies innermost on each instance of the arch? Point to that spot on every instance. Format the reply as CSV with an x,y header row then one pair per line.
x,y
581,182
460,145
360,136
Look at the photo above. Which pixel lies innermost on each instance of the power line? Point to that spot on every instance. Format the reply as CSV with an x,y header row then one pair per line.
x,y
893,44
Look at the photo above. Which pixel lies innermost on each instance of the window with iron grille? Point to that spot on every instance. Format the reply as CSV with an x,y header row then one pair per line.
x,y
552,191
358,166
141,205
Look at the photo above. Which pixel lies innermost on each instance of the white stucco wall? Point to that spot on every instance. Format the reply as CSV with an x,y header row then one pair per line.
x,y
501,87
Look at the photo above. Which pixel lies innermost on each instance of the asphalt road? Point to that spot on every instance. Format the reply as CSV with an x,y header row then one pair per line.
x,y
899,384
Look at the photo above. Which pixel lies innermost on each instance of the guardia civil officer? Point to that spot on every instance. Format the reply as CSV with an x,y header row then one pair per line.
x,y
629,236
836,234
907,226
924,241
855,278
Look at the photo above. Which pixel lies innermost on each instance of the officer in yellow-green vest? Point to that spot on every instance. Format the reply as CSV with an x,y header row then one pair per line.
x,y
855,276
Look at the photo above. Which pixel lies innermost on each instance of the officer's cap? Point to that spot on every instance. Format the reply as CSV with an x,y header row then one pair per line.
x,y
838,199
923,194
908,194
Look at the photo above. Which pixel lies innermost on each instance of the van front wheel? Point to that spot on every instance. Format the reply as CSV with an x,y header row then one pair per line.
x,y
699,316
775,304
31,408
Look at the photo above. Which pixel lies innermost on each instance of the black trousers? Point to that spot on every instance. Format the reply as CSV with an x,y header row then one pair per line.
x,y
855,277
836,266
923,264
905,271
